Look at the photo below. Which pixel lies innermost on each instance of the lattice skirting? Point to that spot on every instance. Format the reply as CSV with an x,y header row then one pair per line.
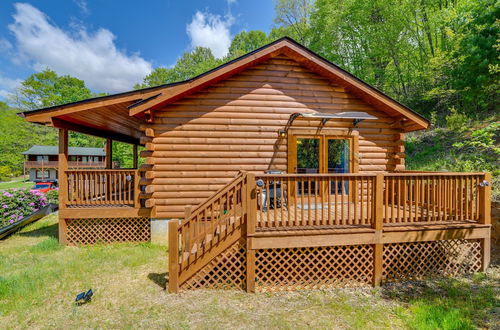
x,y
226,271
313,267
108,230
407,261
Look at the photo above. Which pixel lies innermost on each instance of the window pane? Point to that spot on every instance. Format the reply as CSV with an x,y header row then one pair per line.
x,y
307,155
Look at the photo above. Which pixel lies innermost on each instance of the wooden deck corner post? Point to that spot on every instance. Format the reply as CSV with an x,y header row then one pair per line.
x,y
137,189
378,195
63,181
135,156
485,218
173,256
251,210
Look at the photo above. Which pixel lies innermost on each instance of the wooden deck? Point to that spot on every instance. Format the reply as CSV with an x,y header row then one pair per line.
x,y
381,228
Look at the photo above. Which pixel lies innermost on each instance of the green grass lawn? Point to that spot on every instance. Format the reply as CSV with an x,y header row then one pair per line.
x,y
39,280
16,183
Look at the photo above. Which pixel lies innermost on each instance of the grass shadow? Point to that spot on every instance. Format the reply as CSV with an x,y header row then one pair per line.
x,y
45,231
159,278
465,302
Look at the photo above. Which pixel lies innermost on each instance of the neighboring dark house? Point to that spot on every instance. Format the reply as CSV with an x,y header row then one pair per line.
x,y
41,161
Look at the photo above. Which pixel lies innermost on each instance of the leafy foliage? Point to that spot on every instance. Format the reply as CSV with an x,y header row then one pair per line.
x,y
46,88
472,148
188,66
15,204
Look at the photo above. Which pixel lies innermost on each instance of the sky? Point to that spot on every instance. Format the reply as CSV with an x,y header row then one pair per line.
x,y
112,45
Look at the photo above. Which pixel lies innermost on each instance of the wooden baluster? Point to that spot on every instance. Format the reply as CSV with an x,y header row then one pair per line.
x,y
463,198
308,201
288,197
466,198
295,192
336,201
282,202
354,197
275,204
328,197
342,211
386,199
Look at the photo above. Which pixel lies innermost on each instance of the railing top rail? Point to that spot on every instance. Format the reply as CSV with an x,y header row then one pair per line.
x,y
433,174
102,170
315,175
196,210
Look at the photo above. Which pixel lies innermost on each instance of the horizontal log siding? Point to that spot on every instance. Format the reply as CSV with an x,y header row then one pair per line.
x,y
200,142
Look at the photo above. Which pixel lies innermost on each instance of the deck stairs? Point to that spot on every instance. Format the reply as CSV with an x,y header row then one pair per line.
x,y
209,229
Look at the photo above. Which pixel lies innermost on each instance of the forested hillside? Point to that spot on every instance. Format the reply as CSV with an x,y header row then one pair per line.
x,y
439,57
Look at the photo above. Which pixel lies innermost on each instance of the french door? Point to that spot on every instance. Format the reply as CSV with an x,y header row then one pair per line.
x,y
311,154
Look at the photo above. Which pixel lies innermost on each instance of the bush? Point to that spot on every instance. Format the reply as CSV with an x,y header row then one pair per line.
x,y
456,121
15,204
52,196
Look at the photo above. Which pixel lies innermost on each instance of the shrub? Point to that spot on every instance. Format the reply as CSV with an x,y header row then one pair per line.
x,y
52,196
456,121
15,204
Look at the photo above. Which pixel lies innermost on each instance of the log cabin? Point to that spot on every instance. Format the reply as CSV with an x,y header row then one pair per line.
x,y
275,171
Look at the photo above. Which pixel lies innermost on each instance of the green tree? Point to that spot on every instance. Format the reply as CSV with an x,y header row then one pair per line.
x,y
46,88
293,17
189,65
247,41
17,136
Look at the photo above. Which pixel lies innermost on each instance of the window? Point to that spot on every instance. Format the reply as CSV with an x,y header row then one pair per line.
x,y
42,159
42,174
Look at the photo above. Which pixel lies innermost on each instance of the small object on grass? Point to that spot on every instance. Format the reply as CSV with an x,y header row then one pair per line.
x,y
84,297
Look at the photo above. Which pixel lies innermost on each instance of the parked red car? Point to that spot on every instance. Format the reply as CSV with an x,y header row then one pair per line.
x,y
43,187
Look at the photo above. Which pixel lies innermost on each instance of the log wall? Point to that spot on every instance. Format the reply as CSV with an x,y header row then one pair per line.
x,y
197,144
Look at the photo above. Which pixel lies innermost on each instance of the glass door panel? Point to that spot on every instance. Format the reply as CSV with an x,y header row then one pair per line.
x,y
338,161
308,162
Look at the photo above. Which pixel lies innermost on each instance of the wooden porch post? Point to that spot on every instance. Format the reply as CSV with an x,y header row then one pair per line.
x,y
109,154
63,181
251,211
378,225
134,151
173,256
485,217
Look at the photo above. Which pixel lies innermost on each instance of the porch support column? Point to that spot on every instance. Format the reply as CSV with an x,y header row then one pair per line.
x,y
485,218
63,181
109,154
134,157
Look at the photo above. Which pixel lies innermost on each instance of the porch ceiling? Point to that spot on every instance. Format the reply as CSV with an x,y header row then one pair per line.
x,y
106,117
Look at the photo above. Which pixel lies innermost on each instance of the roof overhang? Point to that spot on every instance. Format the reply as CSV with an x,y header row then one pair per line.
x,y
105,116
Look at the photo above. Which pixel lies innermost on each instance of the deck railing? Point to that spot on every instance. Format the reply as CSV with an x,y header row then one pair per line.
x,y
292,200
315,200
432,197
119,187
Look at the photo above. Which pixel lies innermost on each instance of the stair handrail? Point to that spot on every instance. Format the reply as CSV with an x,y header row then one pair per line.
x,y
195,210
195,227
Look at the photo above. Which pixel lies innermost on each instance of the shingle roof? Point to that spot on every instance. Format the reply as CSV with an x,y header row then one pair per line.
x,y
72,151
